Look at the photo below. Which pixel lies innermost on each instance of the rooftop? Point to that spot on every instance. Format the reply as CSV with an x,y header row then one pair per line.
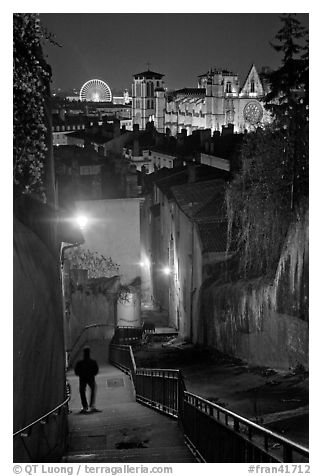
x,y
222,71
67,154
181,176
190,92
213,235
148,75
205,197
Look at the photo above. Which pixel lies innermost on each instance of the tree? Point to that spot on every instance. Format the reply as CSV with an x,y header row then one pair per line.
x,y
272,185
98,266
31,77
258,203
288,100
287,83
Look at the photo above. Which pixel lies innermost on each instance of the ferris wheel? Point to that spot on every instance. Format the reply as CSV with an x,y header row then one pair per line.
x,y
95,90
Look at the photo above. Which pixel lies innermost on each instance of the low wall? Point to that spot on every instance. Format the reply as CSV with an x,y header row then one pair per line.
x,y
263,323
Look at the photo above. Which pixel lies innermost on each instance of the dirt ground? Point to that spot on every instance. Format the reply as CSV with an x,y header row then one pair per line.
x,y
277,400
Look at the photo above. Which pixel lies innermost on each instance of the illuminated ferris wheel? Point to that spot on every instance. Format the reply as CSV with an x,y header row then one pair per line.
x,y
95,90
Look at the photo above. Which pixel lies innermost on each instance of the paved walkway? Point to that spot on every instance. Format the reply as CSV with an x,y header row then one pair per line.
x,y
124,431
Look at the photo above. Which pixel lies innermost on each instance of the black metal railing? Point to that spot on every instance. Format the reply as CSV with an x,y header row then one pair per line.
x,y
127,335
161,389
219,435
122,357
213,433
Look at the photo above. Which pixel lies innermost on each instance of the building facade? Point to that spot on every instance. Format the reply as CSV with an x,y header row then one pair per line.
x,y
218,100
184,229
144,88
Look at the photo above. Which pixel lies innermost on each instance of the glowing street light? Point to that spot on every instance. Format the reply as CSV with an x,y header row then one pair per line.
x,y
145,263
82,221
166,270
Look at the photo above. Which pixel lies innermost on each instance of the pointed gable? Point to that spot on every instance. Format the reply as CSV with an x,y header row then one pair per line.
x,y
252,86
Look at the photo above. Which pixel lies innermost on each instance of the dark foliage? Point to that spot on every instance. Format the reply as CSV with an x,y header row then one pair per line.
x,y
268,193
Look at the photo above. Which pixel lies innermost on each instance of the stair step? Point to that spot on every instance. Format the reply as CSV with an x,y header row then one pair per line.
x,y
166,330
173,454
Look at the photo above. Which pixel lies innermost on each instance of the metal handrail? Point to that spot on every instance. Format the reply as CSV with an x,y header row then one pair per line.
x,y
22,430
89,326
238,419
209,409
154,369
129,349
245,420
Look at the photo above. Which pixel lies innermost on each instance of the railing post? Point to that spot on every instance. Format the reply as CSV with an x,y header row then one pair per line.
x,y
287,453
181,389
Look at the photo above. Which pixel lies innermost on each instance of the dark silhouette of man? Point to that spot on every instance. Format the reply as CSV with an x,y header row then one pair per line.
x,y
86,370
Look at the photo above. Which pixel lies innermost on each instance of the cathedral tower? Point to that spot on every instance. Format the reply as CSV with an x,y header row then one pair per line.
x,y
143,97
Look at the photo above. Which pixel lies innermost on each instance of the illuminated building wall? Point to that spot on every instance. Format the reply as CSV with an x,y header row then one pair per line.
x,y
143,97
113,230
218,100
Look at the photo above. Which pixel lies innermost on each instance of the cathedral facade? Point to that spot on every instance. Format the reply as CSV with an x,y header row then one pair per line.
x,y
218,100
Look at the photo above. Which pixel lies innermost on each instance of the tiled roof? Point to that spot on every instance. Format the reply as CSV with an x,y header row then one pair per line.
x,y
163,149
216,206
190,92
81,134
213,235
69,153
149,75
180,176
192,198
165,184
204,203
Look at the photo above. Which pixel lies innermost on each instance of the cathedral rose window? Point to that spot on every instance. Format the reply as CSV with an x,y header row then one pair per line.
x,y
253,112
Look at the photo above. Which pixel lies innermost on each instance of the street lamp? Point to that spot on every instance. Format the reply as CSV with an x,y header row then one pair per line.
x,y
166,270
81,221
145,263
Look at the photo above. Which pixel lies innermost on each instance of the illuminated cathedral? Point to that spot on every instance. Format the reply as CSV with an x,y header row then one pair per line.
x,y
218,100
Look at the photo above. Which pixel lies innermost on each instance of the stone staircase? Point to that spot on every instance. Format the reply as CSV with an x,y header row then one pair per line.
x,y
124,431
160,319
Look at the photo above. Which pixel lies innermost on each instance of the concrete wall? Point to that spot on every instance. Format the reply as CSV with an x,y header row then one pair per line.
x,y
263,323
113,229
92,304
38,349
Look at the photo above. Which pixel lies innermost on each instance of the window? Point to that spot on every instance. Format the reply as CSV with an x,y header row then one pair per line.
x,y
148,104
228,87
152,104
252,86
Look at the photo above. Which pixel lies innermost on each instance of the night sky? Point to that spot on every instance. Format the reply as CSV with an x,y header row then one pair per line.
x,y
113,47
